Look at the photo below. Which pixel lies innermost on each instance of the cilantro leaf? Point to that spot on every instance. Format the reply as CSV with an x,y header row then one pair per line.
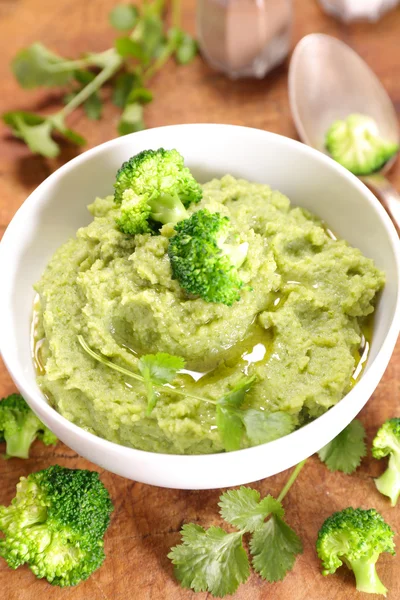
x,y
123,85
186,50
125,47
34,130
162,367
37,66
149,32
274,547
230,427
93,106
131,119
140,94
243,508
345,451
158,369
124,16
235,397
262,427
229,419
210,560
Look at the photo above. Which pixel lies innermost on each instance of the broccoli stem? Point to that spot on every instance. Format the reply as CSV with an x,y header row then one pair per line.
x,y
367,579
19,443
167,209
389,482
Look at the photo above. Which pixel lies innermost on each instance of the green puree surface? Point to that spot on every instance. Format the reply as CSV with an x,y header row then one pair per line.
x,y
298,325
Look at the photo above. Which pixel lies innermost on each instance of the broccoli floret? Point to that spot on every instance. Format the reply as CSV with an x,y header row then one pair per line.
x,y
56,524
355,537
19,427
387,443
154,186
356,144
200,260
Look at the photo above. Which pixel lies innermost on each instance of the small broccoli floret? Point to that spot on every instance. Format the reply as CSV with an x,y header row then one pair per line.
x,y
154,186
56,524
19,427
387,443
355,537
201,261
356,144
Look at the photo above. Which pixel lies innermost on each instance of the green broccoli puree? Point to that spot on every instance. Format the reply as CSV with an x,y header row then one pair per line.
x,y
297,326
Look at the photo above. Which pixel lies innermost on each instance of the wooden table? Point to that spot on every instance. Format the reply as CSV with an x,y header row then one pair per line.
x,y
146,520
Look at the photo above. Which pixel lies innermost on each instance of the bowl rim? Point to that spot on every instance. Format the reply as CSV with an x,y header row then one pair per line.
x,y
50,415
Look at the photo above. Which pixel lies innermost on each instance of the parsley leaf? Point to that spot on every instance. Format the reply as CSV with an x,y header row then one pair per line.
x,y
158,369
210,560
243,508
229,419
274,547
263,427
36,66
345,451
124,16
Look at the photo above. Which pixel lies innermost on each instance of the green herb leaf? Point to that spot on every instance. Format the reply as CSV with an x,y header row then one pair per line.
x,y
34,130
57,122
263,427
235,397
230,427
158,369
37,66
345,451
186,50
141,95
124,16
162,367
93,106
131,119
123,85
210,560
149,34
126,47
243,508
229,420
274,547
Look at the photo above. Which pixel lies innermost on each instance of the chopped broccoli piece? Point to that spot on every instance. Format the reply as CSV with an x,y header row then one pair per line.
x,y
56,524
355,537
387,443
19,427
200,260
356,144
154,186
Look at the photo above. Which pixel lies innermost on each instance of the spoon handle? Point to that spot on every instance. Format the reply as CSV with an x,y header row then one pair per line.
x,y
389,197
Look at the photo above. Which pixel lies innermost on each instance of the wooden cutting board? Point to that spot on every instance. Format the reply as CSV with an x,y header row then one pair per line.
x,y
146,520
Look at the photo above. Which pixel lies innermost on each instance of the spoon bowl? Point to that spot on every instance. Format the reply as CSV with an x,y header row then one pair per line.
x,y
329,81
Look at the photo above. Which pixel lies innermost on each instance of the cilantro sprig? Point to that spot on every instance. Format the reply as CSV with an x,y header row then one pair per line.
x,y
212,560
144,46
345,451
233,418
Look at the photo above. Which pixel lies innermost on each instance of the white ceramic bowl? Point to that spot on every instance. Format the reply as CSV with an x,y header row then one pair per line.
x,y
54,212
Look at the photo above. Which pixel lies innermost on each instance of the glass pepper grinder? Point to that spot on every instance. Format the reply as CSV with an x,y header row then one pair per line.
x,y
354,10
244,38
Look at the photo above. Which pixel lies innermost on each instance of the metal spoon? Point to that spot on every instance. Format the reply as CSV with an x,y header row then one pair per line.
x,y
329,81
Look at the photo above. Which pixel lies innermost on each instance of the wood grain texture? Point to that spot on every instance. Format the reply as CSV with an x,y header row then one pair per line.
x,y
146,520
